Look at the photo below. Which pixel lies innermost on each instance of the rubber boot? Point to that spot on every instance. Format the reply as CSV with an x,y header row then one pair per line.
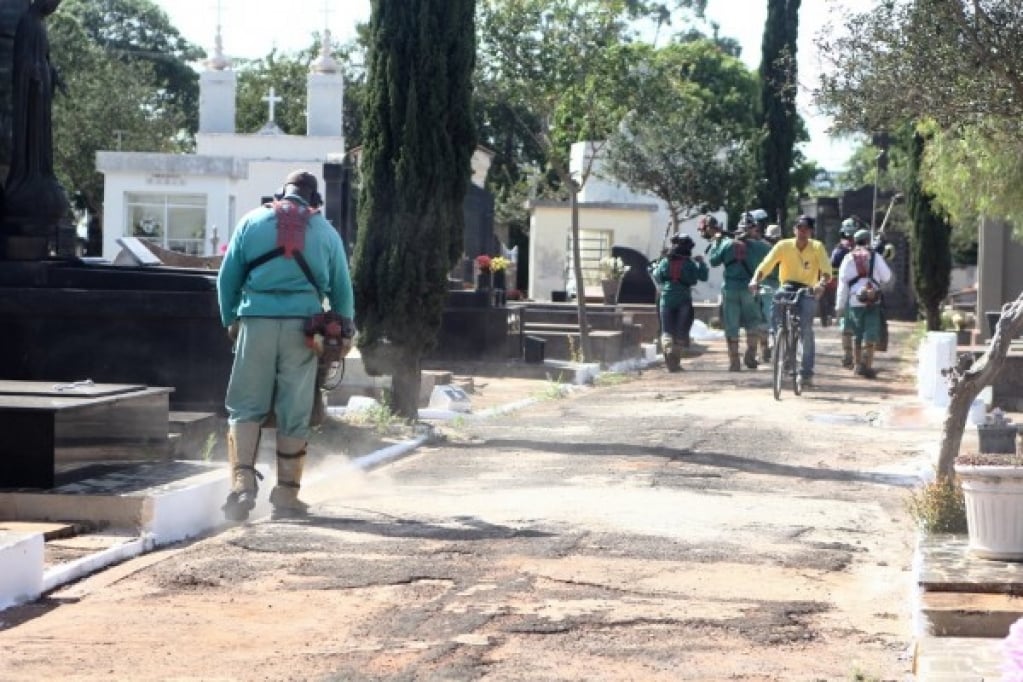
x,y
750,357
733,355
866,369
242,446
290,462
847,351
671,354
765,347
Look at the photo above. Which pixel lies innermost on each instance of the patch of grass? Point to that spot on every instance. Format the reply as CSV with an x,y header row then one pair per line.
x,y
938,506
610,379
381,418
555,388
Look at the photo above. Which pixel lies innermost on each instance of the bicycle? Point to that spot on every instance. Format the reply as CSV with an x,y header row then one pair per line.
x,y
787,356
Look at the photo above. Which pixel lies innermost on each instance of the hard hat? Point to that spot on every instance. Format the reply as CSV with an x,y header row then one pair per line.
x,y
759,215
773,232
848,227
862,237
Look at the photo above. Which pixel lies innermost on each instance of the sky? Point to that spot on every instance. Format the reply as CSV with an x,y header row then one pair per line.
x,y
252,27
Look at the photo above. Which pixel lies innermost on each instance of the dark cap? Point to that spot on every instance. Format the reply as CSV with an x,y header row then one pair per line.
x,y
805,221
707,221
302,179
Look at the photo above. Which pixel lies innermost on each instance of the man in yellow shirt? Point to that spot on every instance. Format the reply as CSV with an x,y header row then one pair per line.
x,y
802,263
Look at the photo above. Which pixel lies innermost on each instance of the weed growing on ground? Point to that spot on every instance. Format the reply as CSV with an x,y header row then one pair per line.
x,y
938,506
209,446
555,388
858,676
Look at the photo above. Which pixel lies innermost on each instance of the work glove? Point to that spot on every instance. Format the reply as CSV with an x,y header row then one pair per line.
x,y
232,330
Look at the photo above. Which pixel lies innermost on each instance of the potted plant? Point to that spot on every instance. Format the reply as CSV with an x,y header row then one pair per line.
x,y
612,270
992,483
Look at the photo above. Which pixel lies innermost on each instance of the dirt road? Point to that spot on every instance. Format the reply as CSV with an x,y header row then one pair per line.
x,y
664,527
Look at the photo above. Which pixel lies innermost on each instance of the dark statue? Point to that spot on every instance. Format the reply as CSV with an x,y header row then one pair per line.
x,y
34,203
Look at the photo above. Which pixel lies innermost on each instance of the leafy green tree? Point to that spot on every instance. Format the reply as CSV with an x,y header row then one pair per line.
x,y
954,62
139,32
781,122
415,173
690,140
566,62
109,104
930,236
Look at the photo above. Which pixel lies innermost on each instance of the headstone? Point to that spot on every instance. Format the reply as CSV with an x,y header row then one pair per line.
x,y
937,353
450,397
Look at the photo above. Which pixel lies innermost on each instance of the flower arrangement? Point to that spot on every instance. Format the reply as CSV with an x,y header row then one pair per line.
x,y
483,262
612,267
499,264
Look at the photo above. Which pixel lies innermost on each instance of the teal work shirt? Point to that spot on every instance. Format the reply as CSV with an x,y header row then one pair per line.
x,y
278,287
740,258
677,276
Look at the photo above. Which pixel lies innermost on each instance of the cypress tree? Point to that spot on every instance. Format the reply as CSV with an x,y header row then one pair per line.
x,y
415,171
931,237
779,120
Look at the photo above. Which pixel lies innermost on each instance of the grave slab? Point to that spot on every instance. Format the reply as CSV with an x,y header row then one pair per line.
x,y
43,424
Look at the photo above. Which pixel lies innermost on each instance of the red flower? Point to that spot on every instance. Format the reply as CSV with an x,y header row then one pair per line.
x,y
483,262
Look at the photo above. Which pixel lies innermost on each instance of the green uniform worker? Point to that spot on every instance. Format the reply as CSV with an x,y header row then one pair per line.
x,y
740,257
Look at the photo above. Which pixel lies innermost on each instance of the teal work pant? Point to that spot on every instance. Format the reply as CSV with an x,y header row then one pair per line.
x,y
865,322
741,309
274,369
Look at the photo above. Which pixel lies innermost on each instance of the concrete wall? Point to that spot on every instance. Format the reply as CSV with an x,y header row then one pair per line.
x,y
999,279
549,229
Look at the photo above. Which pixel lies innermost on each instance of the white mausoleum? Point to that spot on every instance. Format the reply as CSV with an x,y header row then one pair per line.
x,y
190,202
610,214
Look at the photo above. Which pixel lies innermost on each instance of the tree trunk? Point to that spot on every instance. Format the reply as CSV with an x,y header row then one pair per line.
x,y
580,287
406,380
967,383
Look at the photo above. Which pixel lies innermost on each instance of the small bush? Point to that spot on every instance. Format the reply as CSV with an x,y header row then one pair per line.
x,y
939,506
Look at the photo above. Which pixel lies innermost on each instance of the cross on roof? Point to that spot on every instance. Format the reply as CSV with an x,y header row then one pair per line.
x,y
272,99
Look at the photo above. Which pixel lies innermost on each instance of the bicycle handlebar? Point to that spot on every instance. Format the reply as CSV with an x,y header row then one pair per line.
x,y
784,297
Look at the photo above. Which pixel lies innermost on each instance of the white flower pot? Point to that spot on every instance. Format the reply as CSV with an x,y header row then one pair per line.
x,y
994,510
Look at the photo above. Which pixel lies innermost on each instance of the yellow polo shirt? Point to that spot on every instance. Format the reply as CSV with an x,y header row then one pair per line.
x,y
806,266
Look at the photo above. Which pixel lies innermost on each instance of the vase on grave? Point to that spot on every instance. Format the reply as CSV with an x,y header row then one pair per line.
x,y
498,279
484,280
611,287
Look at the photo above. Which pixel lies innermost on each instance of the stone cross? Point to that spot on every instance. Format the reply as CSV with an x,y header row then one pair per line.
x,y
272,99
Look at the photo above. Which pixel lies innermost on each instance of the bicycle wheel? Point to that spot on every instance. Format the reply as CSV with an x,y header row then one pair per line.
x,y
778,361
797,364
795,353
